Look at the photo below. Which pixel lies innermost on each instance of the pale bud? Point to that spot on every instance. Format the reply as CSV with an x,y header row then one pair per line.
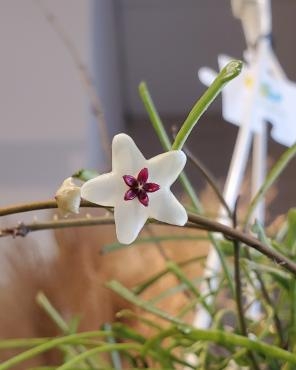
x,y
68,197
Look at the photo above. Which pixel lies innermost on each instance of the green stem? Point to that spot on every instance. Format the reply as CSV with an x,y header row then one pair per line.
x,y
165,140
109,248
104,348
43,302
69,339
154,116
166,143
230,71
225,339
131,297
21,343
174,268
55,316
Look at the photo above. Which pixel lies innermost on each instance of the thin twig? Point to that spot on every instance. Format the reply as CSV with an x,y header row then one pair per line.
x,y
245,238
237,278
164,255
24,229
265,294
85,76
209,178
42,205
195,221
238,289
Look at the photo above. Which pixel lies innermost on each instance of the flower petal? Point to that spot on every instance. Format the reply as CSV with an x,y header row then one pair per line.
x,y
126,156
130,217
130,194
143,198
165,207
130,180
150,187
104,189
166,167
143,175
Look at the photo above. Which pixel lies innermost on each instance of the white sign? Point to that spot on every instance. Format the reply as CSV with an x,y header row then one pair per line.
x,y
275,100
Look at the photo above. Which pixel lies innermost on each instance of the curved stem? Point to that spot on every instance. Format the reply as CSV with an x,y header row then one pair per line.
x,y
69,339
195,221
245,238
35,206
165,141
230,71
226,339
103,348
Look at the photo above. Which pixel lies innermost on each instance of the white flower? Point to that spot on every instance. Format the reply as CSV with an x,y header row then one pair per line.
x,y
68,197
138,188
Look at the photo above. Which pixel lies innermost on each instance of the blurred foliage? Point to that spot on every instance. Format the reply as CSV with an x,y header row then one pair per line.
x,y
270,338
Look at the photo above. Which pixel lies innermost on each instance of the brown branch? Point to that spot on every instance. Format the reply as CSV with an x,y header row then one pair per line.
x,y
35,206
195,221
245,238
24,229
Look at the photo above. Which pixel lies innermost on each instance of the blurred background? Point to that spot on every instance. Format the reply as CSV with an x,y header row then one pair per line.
x,y
48,130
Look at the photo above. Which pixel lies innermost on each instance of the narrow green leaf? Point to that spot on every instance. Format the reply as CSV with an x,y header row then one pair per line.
x,y
131,297
230,71
165,141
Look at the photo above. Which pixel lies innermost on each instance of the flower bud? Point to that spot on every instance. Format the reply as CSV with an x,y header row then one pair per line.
x,y
68,197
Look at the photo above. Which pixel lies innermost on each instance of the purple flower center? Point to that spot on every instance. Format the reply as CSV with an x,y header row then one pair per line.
x,y
139,187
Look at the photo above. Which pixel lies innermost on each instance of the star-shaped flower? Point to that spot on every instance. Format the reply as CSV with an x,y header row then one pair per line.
x,y
138,188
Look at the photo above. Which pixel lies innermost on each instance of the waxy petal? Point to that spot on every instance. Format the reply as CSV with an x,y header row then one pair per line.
x,y
130,194
130,180
104,189
143,176
143,198
130,217
150,187
165,168
126,156
165,207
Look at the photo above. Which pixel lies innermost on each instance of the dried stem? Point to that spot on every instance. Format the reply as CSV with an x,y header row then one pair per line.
x,y
209,178
85,76
24,229
35,206
230,233
238,289
195,221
